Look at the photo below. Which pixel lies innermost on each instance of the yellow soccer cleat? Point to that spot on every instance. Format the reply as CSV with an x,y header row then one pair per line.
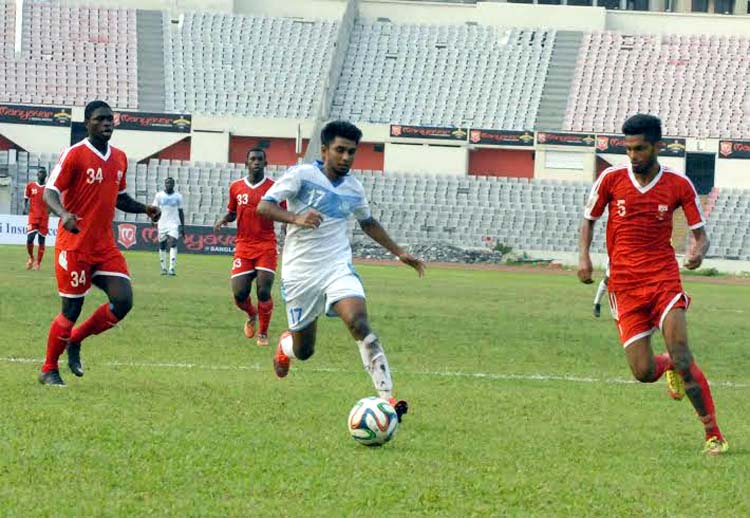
x,y
715,446
675,385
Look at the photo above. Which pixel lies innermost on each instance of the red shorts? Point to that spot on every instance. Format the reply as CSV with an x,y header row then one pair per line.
x,y
265,261
641,311
40,225
74,269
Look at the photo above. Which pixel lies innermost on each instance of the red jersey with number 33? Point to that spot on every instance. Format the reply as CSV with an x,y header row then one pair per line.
x,y
639,230
35,194
255,234
89,183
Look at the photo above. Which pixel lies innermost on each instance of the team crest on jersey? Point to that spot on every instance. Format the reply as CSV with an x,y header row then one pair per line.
x,y
662,211
126,234
119,176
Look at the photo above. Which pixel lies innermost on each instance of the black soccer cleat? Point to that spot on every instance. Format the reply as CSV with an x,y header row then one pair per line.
x,y
401,408
597,310
74,358
51,378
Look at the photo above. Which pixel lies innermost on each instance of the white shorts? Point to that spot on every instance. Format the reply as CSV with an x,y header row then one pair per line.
x,y
165,232
306,301
606,268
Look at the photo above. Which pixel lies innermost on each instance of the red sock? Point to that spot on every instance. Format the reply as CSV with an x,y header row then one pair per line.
x,y
708,420
99,321
265,308
57,340
247,307
662,363
40,254
30,249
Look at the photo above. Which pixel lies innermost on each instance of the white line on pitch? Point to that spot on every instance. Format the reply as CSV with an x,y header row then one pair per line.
x,y
440,374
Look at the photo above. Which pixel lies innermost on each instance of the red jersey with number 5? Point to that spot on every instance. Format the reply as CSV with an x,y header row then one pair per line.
x,y
89,183
255,234
35,194
639,230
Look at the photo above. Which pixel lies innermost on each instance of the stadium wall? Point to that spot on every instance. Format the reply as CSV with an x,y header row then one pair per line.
x,y
37,139
419,158
732,174
641,22
141,144
209,146
514,163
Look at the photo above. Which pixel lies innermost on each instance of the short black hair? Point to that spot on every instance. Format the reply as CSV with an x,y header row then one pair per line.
x,y
643,124
41,168
92,106
256,149
342,129
169,178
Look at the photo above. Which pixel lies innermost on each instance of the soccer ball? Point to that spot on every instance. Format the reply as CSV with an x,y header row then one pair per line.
x,y
372,421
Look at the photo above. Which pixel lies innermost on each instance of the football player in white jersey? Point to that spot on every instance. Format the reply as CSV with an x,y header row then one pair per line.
x,y
317,275
171,225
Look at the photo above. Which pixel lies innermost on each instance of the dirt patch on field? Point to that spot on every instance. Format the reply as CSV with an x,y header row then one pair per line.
x,y
553,269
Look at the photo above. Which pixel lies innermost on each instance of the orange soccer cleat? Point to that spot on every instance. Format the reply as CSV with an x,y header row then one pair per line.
x,y
280,360
29,263
250,326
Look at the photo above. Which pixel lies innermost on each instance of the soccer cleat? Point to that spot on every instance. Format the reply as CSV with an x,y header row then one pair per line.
x,y
715,446
675,385
262,340
280,360
401,407
74,358
51,378
597,310
250,326
171,272
29,263
163,271
36,266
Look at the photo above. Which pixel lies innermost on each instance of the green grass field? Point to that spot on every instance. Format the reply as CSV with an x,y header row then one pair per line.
x,y
520,405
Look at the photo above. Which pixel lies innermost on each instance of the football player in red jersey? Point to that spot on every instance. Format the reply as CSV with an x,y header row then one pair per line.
x,y
645,288
34,206
90,176
255,254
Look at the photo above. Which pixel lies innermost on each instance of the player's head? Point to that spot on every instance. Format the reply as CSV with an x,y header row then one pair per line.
x,y
169,185
41,175
339,141
99,120
642,141
256,160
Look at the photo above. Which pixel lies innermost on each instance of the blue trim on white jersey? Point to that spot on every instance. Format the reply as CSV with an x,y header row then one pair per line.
x,y
327,202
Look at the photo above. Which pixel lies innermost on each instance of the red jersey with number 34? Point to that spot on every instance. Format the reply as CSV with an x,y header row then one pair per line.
x,y
35,194
255,234
639,230
89,183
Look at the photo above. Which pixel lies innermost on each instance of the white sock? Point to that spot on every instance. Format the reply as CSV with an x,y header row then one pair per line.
x,y
163,259
172,257
287,346
376,364
600,292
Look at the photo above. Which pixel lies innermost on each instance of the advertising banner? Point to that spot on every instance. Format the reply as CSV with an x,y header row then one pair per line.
x,y
734,149
41,115
428,132
615,145
501,137
143,121
557,138
198,239
13,230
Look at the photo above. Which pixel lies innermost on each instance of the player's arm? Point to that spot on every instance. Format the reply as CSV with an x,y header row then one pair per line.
x,y
127,204
377,233
52,199
25,206
228,218
585,266
697,249
271,210
181,213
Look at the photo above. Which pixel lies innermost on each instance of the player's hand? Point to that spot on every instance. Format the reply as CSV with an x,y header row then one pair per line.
x,y
693,260
153,212
182,232
70,222
585,270
415,263
218,225
311,219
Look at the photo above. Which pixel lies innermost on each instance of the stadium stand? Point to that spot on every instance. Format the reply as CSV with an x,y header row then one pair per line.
x,y
66,51
254,66
697,84
729,224
443,75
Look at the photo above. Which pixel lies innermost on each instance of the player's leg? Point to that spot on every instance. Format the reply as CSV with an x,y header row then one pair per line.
x,y
242,284
163,255
30,235
644,364
600,292
73,282
40,250
298,344
263,287
172,244
674,329
304,301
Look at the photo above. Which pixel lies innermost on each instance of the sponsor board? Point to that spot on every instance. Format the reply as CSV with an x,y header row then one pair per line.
x,y
501,137
40,115
13,230
734,149
428,132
